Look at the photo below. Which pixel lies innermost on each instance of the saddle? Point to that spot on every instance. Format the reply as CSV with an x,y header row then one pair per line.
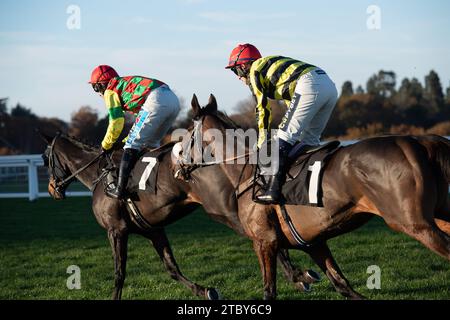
x,y
143,177
300,153
303,184
304,176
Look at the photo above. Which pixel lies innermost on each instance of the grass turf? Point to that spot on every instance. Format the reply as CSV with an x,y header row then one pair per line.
x,y
40,240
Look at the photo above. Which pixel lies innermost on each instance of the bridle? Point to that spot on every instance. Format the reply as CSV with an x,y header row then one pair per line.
x,y
195,141
57,171
186,167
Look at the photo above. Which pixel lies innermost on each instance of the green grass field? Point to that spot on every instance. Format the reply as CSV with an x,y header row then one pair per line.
x,y
39,240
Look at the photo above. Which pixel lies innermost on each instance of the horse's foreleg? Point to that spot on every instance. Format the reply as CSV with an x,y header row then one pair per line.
x,y
267,257
118,240
321,254
300,279
160,242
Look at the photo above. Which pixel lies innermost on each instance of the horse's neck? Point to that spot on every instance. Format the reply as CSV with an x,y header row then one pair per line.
x,y
235,170
237,173
78,158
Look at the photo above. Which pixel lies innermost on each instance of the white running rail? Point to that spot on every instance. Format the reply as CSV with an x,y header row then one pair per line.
x,y
13,167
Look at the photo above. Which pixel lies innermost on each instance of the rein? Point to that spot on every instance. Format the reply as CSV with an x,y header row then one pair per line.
x,y
59,184
186,169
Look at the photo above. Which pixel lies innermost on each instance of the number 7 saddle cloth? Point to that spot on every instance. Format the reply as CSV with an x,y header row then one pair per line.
x,y
143,177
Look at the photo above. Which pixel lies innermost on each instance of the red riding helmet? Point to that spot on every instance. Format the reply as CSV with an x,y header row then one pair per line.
x,y
103,73
241,54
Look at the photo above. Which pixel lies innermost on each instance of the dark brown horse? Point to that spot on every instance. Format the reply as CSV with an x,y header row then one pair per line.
x,y
403,179
68,159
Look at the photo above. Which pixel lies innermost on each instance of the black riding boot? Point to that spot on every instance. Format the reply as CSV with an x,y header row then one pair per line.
x,y
272,195
129,158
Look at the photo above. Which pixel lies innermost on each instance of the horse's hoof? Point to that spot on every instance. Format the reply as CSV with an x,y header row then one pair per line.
x,y
312,276
212,294
306,287
303,286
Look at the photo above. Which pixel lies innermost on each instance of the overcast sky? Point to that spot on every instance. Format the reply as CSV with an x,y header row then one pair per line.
x,y
45,65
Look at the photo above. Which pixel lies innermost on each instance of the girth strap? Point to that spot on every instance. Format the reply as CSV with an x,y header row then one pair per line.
x,y
137,217
298,238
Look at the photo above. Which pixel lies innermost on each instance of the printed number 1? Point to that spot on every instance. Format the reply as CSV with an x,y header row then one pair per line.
x,y
314,181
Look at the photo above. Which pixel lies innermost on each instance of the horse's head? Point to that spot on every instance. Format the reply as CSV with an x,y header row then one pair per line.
x,y
206,142
57,165
209,129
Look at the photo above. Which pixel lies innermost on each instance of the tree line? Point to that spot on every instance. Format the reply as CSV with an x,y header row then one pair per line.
x,y
381,107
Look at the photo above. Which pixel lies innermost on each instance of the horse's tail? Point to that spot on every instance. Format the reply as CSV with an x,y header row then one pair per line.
x,y
439,152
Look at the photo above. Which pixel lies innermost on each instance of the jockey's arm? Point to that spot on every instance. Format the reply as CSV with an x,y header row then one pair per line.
x,y
263,111
116,119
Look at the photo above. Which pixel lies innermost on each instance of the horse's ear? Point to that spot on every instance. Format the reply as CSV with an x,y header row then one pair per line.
x,y
195,107
212,104
47,139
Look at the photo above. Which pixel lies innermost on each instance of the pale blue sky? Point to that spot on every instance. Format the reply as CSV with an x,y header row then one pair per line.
x,y
186,43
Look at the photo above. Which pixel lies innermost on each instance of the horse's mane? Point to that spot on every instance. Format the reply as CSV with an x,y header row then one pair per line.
x,y
222,116
87,146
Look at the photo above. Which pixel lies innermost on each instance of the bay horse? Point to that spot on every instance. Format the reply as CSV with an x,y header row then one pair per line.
x,y
402,179
68,159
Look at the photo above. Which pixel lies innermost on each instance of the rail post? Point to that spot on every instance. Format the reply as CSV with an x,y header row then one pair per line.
x,y
33,184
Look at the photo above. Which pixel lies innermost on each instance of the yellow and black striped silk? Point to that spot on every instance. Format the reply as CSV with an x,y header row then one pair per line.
x,y
273,77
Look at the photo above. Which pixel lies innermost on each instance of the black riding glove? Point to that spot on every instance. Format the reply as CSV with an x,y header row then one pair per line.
x,y
107,151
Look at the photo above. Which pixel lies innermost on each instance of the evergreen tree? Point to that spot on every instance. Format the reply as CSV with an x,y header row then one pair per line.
x,y
359,90
447,97
433,91
416,89
371,86
3,106
403,96
20,111
409,93
347,89
410,104
382,84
